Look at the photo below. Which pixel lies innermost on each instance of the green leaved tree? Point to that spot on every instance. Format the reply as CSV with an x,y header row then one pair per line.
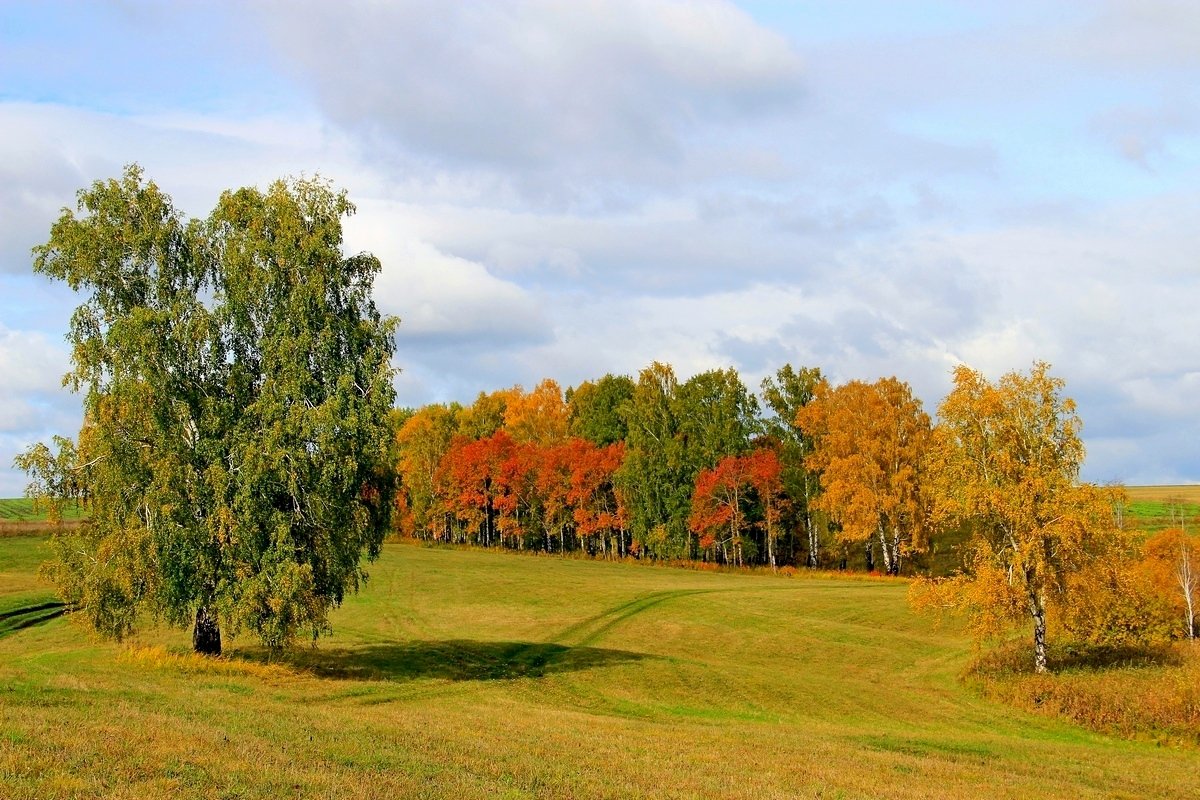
x,y
236,379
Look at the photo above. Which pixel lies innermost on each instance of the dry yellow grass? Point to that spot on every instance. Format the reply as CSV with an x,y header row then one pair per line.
x,y
1188,493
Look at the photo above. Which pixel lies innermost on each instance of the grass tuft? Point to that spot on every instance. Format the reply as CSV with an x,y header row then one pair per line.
x,y
183,662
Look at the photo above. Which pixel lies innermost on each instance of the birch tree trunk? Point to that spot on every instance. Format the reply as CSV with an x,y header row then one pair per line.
x,y
808,527
1187,582
895,568
887,551
1037,609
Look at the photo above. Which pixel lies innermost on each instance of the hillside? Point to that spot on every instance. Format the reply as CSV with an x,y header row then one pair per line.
x,y
471,674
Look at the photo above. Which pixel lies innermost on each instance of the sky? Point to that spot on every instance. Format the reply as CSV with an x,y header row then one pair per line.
x,y
567,189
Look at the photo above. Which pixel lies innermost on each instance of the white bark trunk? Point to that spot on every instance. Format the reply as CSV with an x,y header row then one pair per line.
x,y
1187,582
887,552
1037,609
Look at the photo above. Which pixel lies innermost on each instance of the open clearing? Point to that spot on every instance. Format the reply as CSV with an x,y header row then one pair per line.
x,y
472,674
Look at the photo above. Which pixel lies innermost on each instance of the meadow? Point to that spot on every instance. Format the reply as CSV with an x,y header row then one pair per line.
x,y
1155,508
19,515
465,673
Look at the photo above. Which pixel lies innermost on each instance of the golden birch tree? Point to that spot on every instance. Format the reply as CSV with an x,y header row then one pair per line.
x,y
1007,457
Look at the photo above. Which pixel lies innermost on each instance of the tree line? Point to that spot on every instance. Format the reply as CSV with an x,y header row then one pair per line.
x,y
807,474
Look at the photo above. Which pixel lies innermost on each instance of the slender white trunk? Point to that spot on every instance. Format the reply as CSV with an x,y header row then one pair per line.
x,y
770,547
1187,582
887,551
808,526
895,551
1037,610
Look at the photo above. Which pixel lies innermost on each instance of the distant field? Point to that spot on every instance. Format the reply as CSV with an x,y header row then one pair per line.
x,y
21,510
470,674
1189,493
1154,508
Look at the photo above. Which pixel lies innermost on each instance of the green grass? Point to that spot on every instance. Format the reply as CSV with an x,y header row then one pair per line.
x,y
21,510
470,674
1156,508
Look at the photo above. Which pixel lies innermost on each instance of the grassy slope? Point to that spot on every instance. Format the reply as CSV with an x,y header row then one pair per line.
x,y
469,674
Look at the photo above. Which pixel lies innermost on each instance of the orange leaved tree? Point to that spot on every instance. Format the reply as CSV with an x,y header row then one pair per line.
x,y
871,443
596,504
473,486
719,504
421,443
733,498
1173,560
538,416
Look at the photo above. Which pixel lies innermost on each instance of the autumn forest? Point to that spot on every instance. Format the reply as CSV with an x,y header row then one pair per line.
x,y
986,504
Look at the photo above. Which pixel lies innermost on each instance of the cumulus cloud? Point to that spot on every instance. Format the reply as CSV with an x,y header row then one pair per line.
x,y
28,362
550,93
1133,34
33,406
1145,136
439,297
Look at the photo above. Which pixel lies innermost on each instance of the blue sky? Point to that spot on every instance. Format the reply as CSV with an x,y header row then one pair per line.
x,y
566,189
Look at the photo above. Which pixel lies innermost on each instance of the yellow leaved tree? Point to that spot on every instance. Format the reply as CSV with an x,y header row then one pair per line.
x,y
1006,467
870,449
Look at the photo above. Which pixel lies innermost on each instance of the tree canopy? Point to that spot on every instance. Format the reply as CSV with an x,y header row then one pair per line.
x,y
236,379
871,441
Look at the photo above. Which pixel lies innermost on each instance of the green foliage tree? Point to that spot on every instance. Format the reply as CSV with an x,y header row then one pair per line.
x,y
597,409
654,478
674,432
785,394
717,416
237,381
486,415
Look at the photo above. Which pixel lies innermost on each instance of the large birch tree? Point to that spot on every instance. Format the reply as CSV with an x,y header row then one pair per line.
x,y
236,383
1007,457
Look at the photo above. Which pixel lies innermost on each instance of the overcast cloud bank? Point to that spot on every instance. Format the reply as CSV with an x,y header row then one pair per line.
x,y
568,189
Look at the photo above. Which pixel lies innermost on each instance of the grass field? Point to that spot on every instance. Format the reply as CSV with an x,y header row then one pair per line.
x,y
471,674
21,510
1154,508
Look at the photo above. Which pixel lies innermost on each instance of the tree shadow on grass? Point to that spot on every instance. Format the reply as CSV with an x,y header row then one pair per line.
x,y
452,659
1016,658
30,616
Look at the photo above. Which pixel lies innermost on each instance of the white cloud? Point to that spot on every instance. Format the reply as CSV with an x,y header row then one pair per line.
x,y
33,406
439,296
29,362
589,91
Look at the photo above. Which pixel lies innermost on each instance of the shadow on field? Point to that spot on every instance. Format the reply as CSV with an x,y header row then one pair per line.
x,y
30,616
456,660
